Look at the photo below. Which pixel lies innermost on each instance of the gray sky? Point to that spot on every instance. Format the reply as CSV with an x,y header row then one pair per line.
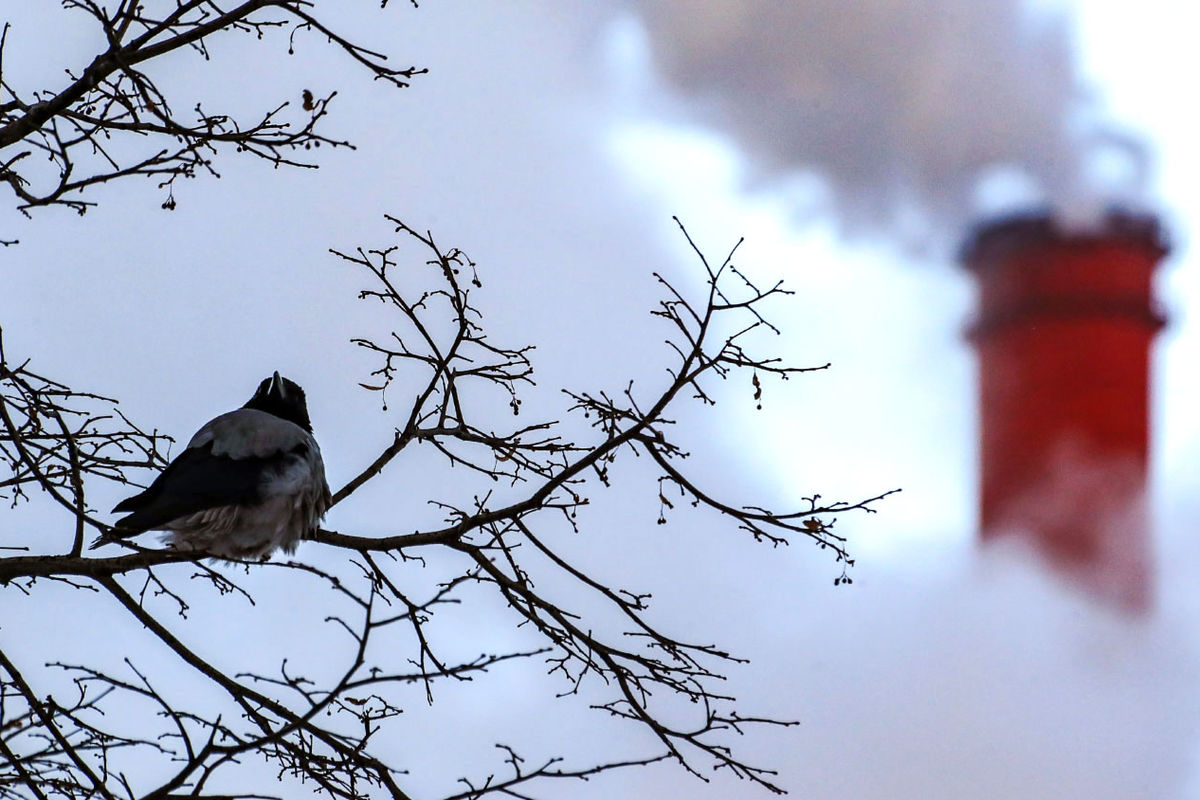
x,y
538,145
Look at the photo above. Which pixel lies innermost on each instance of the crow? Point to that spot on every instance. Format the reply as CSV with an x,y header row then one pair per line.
x,y
250,481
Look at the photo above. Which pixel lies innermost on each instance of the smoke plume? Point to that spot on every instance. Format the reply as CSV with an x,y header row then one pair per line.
x,y
915,114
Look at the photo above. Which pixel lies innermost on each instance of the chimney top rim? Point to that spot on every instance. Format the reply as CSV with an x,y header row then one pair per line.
x,y
1038,228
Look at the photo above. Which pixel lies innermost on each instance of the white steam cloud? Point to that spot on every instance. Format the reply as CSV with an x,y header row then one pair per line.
x,y
973,676
916,115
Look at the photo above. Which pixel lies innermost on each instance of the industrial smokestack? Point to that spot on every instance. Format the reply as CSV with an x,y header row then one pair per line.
x,y
1065,323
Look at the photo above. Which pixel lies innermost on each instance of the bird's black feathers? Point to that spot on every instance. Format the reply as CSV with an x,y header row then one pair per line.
x,y
196,481
283,398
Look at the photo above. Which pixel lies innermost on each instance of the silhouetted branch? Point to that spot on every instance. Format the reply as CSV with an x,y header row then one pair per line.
x,y
112,121
321,725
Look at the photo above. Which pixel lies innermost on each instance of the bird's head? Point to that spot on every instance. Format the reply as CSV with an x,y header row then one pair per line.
x,y
283,398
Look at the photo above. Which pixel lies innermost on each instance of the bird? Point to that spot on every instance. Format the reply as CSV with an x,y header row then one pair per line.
x,y
250,482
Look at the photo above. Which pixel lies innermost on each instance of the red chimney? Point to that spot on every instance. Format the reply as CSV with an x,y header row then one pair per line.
x,y
1065,324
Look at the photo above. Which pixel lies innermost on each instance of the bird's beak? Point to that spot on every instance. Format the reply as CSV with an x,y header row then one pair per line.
x,y
277,386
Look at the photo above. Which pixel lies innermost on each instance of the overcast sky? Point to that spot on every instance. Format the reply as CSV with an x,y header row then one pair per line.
x,y
553,143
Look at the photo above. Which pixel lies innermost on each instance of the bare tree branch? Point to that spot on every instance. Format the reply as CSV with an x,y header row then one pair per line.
x,y
175,718
387,637
112,120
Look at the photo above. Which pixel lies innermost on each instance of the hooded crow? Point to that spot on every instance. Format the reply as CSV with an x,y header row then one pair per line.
x,y
249,482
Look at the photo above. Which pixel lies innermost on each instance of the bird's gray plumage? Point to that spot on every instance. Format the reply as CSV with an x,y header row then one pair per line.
x,y
250,433
249,482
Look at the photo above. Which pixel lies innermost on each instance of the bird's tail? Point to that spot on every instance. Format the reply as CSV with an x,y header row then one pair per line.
x,y
112,535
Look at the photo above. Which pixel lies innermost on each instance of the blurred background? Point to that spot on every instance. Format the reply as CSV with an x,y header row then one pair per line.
x,y
856,146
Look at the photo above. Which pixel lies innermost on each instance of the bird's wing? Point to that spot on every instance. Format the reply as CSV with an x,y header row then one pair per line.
x,y
195,481
224,464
